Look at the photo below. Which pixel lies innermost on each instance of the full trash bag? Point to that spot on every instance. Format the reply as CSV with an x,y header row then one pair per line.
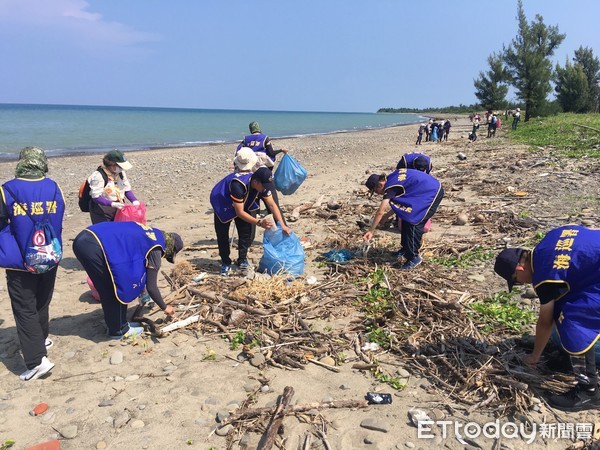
x,y
289,175
283,254
132,213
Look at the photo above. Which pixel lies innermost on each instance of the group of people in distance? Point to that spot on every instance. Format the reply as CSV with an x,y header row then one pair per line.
x,y
124,258
434,131
564,269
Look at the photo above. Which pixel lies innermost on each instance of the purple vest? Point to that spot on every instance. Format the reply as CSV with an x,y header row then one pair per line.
x,y
220,196
420,190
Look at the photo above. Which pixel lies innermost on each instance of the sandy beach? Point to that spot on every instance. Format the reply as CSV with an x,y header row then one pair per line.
x,y
167,392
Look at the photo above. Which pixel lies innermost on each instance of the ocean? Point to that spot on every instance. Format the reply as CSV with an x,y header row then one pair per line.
x,y
65,129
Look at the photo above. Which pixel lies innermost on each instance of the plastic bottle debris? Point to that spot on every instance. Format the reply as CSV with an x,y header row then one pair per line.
x,y
39,409
375,398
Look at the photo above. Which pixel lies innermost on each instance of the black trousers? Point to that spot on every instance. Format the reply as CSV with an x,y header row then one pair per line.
x,y
411,236
245,232
90,255
30,295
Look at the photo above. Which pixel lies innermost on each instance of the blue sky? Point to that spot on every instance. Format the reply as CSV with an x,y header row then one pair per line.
x,y
327,55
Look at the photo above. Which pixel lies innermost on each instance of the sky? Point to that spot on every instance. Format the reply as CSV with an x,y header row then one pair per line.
x,y
311,55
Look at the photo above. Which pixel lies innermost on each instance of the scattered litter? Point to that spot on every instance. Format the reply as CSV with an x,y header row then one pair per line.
x,y
39,409
311,280
375,398
338,255
200,277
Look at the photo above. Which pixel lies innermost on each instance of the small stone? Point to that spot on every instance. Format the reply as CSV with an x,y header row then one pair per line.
x,y
403,373
137,424
328,360
49,417
202,422
132,378
169,369
526,302
141,407
4,406
345,387
529,293
257,360
461,219
69,431
265,388
224,431
69,355
244,441
252,386
121,419
211,401
101,445
70,410
106,402
438,414
409,444
222,415
368,440
588,223
116,358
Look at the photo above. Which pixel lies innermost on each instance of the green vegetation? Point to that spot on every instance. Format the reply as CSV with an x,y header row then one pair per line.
x,y
8,443
241,338
561,133
502,310
394,382
460,109
378,299
466,259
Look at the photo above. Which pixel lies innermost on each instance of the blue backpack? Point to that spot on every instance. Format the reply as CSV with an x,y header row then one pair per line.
x,y
43,251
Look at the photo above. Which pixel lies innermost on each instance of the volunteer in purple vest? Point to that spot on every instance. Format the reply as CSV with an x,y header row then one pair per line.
x,y
564,268
30,197
235,198
414,196
417,161
123,258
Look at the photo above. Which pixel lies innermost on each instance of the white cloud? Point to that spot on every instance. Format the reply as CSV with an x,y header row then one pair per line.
x,y
72,17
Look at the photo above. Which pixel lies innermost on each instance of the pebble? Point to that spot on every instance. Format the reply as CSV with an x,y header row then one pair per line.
x,y
49,418
4,406
369,441
202,422
211,401
70,410
438,414
132,378
409,444
461,219
257,360
328,360
222,415
526,302
265,388
224,431
101,445
69,431
137,424
169,369
121,419
252,386
69,355
345,387
529,293
116,358
588,222
106,403
141,407
403,373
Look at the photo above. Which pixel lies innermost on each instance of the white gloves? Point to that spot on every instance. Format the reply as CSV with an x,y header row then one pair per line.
x,y
136,203
118,205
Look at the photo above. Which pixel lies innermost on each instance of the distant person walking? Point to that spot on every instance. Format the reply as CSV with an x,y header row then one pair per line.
x,y
420,134
261,144
516,118
447,126
29,199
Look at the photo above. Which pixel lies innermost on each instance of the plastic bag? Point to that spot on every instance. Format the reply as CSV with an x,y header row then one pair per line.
x,y
289,175
283,254
132,213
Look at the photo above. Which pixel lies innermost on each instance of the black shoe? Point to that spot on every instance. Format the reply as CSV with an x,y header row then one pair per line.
x,y
578,398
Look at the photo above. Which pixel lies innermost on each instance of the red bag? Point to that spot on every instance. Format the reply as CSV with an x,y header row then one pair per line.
x,y
131,213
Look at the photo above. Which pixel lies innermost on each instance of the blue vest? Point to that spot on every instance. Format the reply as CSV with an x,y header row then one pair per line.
x,y
408,159
420,190
41,199
220,196
257,143
126,246
571,254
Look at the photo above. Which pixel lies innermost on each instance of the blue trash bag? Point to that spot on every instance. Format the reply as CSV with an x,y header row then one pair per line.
x,y
289,175
338,255
283,254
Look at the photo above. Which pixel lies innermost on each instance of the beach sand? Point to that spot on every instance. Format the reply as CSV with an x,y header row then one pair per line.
x,y
166,392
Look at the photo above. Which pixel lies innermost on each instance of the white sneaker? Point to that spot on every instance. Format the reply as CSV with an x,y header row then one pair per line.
x,y
133,332
48,343
42,369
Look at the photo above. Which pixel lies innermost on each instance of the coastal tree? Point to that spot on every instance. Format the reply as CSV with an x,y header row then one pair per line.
x,y
590,65
491,87
572,92
528,61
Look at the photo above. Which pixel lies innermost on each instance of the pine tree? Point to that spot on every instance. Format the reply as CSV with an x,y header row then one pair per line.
x,y
591,67
572,92
528,60
491,87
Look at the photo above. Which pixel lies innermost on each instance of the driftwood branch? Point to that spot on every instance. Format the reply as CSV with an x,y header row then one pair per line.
x,y
277,419
209,295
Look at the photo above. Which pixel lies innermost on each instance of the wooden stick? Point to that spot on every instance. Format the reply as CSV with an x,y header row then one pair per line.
x,y
327,366
181,324
209,295
277,419
293,409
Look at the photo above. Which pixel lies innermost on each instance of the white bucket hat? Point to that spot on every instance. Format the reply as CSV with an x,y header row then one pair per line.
x,y
245,159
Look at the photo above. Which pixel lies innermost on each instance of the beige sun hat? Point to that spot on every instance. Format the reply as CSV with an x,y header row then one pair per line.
x,y
245,159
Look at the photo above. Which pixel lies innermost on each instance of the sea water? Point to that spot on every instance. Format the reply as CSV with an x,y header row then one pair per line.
x,y
62,129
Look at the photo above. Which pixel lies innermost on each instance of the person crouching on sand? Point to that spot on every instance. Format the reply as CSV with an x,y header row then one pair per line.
x,y
415,197
123,258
